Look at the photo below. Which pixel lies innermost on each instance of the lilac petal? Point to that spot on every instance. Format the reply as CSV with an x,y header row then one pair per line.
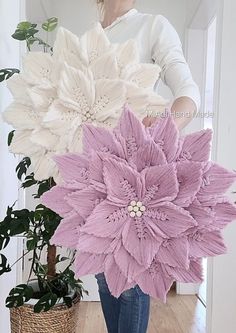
x,y
116,281
55,200
66,234
193,274
206,244
96,171
166,134
174,252
189,177
171,219
160,183
123,183
203,215
87,263
84,201
196,146
216,181
225,212
132,131
100,139
73,169
127,264
154,281
106,220
139,242
97,245
148,155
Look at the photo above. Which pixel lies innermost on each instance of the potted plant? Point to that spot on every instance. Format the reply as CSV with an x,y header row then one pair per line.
x,y
48,301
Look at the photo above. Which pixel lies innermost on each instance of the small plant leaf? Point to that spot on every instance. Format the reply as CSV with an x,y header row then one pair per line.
x,y
45,303
50,24
19,295
4,266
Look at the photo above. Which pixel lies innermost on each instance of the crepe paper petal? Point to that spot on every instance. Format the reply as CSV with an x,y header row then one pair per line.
x,y
148,155
194,274
87,263
19,89
174,252
189,175
127,264
154,281
85,200
216,181
156,105
206,244
105,67
76,90
106,220
29,119
225,212
142,75
204,216
196,146
116,281
132,131
67,48
170,219
166,135
66,234
45,138
127,54
96,245
20,143
55,200
42,96
38,67
139,242
43,166
160,183
123,183
74,170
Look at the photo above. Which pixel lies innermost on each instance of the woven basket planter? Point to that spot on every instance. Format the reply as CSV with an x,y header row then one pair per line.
x,y
60,319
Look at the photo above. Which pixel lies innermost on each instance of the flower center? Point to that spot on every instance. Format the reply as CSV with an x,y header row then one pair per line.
x,y
136,208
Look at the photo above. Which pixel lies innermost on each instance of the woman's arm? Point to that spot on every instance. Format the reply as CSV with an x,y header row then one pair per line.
x,y
167,52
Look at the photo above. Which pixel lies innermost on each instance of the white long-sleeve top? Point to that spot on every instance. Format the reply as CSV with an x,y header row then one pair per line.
x,y
158,42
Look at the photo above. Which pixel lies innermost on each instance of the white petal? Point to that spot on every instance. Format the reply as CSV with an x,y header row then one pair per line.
x,y
21,144
156,105
21,116
44,138
44,166
38,67
105,67
127,54
95,42
76,90
42,96
18,87
143,75
110,99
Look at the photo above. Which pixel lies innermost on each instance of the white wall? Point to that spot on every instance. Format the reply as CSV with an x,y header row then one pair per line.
x,y
10,13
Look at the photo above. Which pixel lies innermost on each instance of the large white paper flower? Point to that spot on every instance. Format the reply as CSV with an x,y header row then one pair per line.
x,y
87,79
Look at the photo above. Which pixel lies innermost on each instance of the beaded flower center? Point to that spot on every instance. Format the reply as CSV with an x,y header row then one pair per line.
x,y
136,208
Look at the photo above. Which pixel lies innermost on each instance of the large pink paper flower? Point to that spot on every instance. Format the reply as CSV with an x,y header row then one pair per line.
x,y
144,206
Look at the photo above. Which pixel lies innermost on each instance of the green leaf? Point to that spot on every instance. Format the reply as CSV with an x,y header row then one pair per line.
x,y
10,137
68,301
19,295
4,266
50,24
6,73
31,244
46,302
25,25
4,241
22,167
19,35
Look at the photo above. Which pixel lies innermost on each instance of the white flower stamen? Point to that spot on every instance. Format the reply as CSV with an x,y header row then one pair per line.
x,y
136,208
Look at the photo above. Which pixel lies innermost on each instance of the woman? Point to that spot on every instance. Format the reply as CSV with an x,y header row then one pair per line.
x,y
158,43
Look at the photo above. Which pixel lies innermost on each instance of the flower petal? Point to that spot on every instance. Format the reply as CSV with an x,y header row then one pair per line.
x,y
106,220
38,68
55,200
196,146
174,252
154,281
97,245
105,67
87,263
206,244
21,116
189,175
193,274
160,184
142,75
225,212
122,182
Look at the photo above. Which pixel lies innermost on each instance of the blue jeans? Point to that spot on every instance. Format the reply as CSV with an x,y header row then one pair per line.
x,y
127,314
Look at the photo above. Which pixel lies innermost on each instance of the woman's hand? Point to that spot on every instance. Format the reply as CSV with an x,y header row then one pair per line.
x,y
183,110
